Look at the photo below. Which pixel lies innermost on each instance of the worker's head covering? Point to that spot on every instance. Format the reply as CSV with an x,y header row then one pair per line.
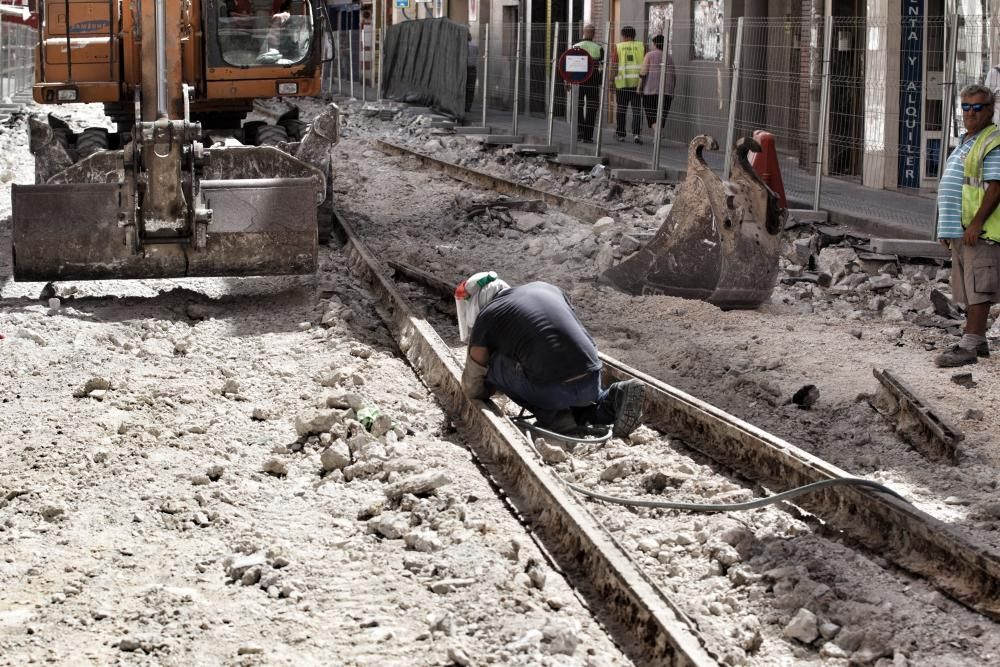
x,y
472,295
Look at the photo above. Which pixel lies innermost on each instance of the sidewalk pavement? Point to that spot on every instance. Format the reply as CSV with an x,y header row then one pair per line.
x,y
884,213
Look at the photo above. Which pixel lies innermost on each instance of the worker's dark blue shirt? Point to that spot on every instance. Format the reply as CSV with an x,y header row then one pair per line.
x,y
535,325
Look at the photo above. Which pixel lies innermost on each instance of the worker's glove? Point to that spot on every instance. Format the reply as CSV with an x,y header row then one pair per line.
x,y
474,380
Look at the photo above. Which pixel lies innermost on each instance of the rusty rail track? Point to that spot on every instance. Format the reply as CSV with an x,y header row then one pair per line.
x,y
656,630
907,536
570,205
967,571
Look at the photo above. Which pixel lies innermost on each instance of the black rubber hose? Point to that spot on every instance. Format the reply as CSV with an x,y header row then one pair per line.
x,y
733,507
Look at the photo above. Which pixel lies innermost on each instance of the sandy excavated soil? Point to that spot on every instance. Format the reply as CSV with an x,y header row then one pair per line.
x,y
185,482
217,503
749,363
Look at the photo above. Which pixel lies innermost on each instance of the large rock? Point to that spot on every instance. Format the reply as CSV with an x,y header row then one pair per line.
x,y
418,485
837,260
336,457
319,422
802,627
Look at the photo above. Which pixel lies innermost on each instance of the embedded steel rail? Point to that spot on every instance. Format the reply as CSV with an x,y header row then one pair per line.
x,y
912,539
897,530
655,629
570,205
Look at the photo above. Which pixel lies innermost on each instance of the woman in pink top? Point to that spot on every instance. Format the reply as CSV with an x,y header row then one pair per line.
x,y
650,81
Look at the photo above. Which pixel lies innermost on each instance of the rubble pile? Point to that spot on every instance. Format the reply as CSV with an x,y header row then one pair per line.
x,y
838,276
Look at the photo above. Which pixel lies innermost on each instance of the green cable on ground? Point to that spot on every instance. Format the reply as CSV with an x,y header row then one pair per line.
x,y
733,507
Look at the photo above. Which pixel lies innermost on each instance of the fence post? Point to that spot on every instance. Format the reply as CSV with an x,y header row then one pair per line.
x,y
4,85
947,100
599,120
486,69
350,59
734,92
824,110
552,84
517,79
361,67
338,59
658,132
381,60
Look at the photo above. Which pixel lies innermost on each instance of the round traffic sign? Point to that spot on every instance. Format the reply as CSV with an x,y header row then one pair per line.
x,y
575,66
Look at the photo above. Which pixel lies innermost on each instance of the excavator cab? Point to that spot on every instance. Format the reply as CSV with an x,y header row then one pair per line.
x,y
182,189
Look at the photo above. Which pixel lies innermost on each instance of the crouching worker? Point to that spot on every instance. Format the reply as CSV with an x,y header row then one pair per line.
x,y
527,343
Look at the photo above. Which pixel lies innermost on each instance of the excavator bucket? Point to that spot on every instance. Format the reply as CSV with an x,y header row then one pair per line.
x,y
258,206
72,232
720,242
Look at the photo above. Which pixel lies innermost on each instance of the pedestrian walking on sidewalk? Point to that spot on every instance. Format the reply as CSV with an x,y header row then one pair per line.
x,y
471,72
625,64
586,109
650,75
528,343
969,223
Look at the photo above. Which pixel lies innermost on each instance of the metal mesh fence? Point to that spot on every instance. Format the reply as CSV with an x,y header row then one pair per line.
x,y
17,46
855,104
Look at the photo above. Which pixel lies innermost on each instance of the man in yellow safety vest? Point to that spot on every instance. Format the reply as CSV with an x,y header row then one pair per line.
x,y
969,223
626,63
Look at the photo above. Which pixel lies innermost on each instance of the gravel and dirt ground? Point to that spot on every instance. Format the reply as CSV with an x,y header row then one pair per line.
x,y
186,480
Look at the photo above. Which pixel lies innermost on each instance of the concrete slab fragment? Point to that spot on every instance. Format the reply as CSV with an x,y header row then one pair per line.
x,y
910,248
536,149
473,130
640,175
808,215
503,139
582,161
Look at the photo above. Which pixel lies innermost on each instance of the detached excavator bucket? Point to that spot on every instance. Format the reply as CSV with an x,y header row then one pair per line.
x,y
70,231
720,242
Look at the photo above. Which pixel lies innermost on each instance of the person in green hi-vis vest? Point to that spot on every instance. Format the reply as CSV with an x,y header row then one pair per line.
x,y
586,109
626,63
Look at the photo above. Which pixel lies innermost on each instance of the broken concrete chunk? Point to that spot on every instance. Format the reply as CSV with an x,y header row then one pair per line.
x,y
336,457
319,422
602,225
526,222
418,485
802,627
91,385
550,453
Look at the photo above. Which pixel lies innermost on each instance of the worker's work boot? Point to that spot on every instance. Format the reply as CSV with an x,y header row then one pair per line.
x,y
627,397
956,355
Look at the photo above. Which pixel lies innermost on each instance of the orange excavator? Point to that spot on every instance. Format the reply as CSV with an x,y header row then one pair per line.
x,y
184,187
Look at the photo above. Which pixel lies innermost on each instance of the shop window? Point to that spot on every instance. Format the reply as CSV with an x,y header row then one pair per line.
x,y
709,16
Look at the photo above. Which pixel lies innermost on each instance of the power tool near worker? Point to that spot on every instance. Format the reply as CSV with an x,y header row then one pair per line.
x,y
183,188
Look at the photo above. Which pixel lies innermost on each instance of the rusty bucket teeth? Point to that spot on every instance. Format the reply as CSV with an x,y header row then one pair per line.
x,y
720,242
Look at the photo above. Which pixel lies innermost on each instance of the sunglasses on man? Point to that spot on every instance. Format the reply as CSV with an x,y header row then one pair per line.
x,y
977,107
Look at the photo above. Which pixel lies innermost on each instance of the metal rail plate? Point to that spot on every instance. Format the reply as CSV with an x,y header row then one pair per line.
x,y
576,207
910,538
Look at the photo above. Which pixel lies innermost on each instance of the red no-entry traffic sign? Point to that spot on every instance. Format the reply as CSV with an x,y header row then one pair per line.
x,y
575,66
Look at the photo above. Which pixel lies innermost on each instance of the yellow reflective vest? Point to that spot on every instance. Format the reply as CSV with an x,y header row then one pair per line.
x,y
630,55
592,48
974,188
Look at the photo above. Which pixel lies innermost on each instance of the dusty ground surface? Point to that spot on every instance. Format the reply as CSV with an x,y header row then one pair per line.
x,y
749,363
185,482
132,518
